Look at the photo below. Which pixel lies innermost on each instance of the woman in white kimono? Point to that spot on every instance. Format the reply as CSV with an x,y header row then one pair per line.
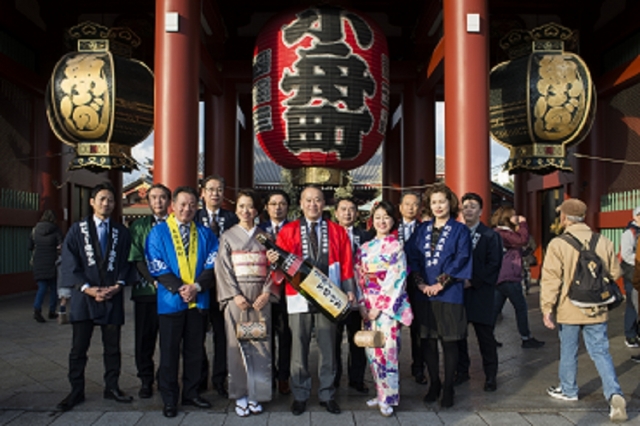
x,y
244,290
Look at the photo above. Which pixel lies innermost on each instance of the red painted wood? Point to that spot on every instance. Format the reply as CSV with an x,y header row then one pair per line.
x,y
177,70
466,92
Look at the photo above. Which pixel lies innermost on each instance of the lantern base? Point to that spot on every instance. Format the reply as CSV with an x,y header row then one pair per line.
x,y
98,157
317,176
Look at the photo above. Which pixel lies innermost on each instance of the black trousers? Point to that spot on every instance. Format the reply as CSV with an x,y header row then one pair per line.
x,y
81,340
280,328
417,352
357,361
180,330
488,351
146,335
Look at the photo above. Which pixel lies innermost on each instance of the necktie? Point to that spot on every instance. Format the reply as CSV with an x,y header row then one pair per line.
x,y
102,237
213,225
276,229
158,221
313,240
184,234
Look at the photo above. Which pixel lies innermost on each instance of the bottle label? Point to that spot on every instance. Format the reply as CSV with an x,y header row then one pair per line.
x,y
291,265
324,292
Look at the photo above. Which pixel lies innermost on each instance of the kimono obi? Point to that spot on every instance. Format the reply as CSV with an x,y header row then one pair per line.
x,y
249,264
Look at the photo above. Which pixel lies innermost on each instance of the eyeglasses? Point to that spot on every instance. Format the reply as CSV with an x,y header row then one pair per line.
x,y
281,204
212,190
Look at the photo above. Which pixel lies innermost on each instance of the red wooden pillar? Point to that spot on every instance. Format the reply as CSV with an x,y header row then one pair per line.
x,y
391,158
419,137
177,67
591,175
220,136
48,165
466,93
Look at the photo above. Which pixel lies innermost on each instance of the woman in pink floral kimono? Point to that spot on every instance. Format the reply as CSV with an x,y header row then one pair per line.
x,y
381,271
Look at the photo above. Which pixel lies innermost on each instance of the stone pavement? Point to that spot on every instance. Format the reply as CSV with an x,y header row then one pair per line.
x,y
33,367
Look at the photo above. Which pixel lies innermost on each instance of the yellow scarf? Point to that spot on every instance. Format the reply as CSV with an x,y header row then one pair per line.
x,y
186,264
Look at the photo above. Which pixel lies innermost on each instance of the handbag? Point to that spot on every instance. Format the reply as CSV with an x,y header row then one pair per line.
x,y
251,330
369,338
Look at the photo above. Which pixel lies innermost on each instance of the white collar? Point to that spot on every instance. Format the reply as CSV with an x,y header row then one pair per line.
x,y
98,221
213,213
164,218
250,232
405,223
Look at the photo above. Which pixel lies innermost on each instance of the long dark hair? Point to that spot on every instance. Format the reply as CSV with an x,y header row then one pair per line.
x,y
48,216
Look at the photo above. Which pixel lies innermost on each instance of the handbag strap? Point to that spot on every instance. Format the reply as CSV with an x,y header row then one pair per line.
x,y
246,312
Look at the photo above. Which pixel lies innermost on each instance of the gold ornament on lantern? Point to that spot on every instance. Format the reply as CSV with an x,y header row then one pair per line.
x,y
542,100
99,101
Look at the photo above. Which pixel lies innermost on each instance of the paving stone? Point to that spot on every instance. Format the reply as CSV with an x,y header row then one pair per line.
x,y
371,418
33,418
323,418
156,418
416,418
75,418
198,418
122,418
496,418
7,415
461,418
543,419
288,419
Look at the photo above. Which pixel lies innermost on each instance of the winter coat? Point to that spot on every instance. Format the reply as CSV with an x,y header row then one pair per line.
x,y
45,239
513,242
558,269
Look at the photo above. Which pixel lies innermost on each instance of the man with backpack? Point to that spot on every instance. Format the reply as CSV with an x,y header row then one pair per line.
x,y
559,270
628,243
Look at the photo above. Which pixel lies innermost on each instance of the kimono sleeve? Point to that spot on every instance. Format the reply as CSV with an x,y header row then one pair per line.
x,y
226,281
137,241
72,266
393,285
156,254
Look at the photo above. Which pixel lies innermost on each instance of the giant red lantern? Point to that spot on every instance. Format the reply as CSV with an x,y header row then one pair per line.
x,y
320,91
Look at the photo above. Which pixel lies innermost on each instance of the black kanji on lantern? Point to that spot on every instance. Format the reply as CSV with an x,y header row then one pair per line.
x,y
327,111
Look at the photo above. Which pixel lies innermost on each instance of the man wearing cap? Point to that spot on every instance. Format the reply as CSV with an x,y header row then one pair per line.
x,y
628,244
558,269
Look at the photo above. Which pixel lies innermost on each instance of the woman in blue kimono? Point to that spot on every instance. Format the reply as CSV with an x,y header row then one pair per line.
x,y
439,256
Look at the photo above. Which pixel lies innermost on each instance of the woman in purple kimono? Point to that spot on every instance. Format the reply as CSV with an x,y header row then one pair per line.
x,y
381,271
439,256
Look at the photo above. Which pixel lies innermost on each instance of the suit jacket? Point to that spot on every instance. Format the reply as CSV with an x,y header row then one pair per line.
x,y
226,219
84,263
266,227
487,259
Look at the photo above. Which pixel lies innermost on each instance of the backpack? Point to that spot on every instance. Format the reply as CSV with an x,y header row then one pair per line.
x,y
591,285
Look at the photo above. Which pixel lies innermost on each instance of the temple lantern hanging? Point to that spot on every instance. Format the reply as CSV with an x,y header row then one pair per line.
x,y
320,91
99,101
542,100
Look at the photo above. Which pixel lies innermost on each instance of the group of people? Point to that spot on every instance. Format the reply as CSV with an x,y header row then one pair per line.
x,y
194,270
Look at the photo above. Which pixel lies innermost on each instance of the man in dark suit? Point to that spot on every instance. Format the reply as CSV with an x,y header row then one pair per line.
x,y
479,293
218,220
409,211
346,214
277,206
95,267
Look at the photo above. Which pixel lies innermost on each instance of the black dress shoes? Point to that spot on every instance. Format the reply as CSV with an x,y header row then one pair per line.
x,y
70,401
460,379
117,395
331,406
197,402
359,386
298,407
219,387
490,385
169,410
146,391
